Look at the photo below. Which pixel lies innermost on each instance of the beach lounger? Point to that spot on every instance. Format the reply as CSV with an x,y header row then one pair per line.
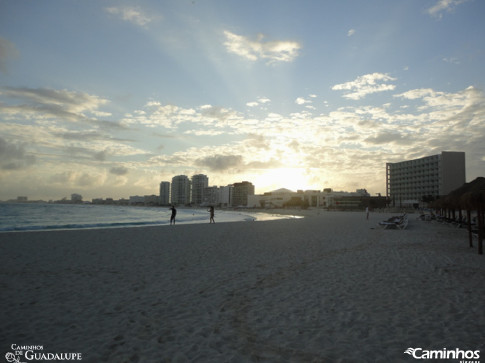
x,y
400,222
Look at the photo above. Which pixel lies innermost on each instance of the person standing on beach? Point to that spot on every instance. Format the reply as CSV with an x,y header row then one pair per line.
x,y
367,213
211,211
174,213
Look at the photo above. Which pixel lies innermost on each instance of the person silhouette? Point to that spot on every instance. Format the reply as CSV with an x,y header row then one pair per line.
x,y
211,211
174,213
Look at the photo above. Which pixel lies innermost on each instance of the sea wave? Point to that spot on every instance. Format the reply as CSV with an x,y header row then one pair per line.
x,y
76,226
40,217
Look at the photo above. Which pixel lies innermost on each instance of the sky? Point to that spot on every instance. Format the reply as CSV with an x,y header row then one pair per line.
x,y
109,98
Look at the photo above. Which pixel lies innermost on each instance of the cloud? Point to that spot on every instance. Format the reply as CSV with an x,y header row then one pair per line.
x,y
87,135
451,60
77,179
156,114
350,32
274,51
43,103
13,156
302,101
8,52
366,84
359,138
220,163
100,155
75,102
443,101
416,93
118,170
203,117
257,164
260,101
131,14
388,137
218,113
443,5
257,141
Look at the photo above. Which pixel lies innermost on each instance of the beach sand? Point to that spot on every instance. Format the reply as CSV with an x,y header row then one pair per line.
x,y
332,287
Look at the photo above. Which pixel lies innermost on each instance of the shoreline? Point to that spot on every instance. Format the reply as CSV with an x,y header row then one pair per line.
x,y
228,215
328,287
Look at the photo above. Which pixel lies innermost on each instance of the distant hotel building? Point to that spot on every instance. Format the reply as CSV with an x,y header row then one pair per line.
x,y
199,183
240,193
211,196
225,196
164,193
330,199
218,196
408,182
180,190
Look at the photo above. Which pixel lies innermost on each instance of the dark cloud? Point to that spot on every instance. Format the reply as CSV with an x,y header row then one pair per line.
x,y
77,151
219,116
216,112
164,136
100,155
85,153
87,136
72,178
221,162
388,137
119,170
56,104
13,156
62,178
77,135
73,101
49,111
257,141
86,180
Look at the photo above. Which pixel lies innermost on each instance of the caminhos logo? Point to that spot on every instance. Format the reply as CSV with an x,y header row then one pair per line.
x,y
37,353
465,356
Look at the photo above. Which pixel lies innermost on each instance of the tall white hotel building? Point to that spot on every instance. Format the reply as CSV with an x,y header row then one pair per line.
x,y
199,183
164,193
180,193
407,182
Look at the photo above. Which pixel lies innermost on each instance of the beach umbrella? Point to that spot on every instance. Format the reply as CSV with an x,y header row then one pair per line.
x,y
474,200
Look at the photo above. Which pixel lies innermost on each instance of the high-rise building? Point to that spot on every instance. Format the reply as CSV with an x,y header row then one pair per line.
x,y
199,182
211,196
164,193
180,193
412,181
225,196
240,193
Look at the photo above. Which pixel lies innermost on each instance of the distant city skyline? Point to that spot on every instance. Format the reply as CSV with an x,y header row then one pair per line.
x,y
109,98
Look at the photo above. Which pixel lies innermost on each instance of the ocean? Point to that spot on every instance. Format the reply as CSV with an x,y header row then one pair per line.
x,y
48,216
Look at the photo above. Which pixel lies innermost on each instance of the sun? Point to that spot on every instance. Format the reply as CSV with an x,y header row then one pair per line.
x,y
289,178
